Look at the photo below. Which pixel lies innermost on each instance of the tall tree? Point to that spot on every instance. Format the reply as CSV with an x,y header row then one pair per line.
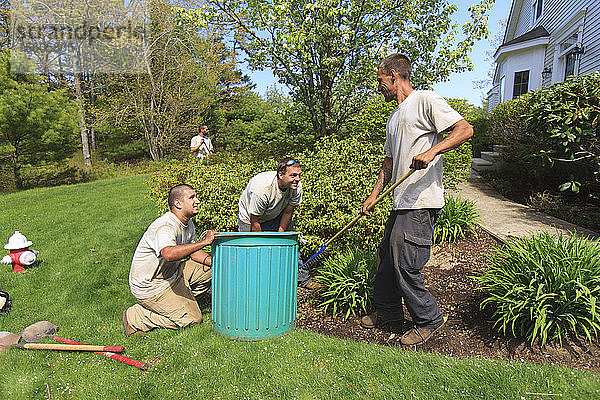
x,y
36,126
326,51
188,69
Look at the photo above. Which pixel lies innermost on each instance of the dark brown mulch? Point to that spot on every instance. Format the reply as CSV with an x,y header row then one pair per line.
x,y
468,332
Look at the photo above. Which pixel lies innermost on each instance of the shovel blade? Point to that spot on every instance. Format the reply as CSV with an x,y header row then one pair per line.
x,y
36,332
7,340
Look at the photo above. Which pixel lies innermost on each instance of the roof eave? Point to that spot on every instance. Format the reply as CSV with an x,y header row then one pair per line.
x,y
503,50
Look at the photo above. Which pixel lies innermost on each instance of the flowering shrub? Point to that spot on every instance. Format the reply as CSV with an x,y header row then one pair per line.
x,y
219,180
337,176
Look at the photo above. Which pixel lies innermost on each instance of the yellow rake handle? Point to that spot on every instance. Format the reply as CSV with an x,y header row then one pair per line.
x,y
377,200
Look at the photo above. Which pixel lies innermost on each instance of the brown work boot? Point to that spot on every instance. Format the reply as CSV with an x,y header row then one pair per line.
x,y
418,335
376,320
128,329
312,285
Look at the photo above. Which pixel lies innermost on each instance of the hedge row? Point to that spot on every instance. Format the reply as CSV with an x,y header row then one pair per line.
x,y
337,176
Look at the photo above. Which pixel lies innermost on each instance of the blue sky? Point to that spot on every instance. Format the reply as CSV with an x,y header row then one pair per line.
x,y
459,85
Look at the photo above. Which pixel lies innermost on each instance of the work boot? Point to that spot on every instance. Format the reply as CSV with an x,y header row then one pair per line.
x,y
417,335
376,320
311,285
128,329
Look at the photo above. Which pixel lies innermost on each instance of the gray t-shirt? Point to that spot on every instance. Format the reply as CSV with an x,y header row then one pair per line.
x,y
150,273
262,197
412,128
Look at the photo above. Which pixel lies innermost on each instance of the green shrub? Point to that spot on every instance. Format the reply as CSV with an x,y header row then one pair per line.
x,y
348,280
457,219
51,174
337,176
218,183
545,287
551,138
565,119
506,121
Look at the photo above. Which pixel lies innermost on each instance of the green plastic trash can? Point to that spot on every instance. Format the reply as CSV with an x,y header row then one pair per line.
x,y
254,284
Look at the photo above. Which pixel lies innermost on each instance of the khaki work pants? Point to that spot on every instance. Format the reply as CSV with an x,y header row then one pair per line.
x,y
175,307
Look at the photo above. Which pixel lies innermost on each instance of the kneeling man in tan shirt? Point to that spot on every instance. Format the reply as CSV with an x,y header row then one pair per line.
x,y
163,282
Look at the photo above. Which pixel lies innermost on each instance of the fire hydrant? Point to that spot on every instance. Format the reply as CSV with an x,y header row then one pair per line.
x,y
20,255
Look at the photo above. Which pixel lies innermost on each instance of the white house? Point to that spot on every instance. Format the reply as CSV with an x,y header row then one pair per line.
x,y
545,41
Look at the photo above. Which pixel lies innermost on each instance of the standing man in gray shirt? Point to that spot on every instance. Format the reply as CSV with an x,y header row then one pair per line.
x,y
414,139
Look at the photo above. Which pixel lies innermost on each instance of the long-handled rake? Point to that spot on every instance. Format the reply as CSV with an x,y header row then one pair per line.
x,y
360,214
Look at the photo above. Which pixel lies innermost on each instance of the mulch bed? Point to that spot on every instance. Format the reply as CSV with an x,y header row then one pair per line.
x,y
468,332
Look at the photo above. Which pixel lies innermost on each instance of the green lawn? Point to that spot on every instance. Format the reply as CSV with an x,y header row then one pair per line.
x,y
87,233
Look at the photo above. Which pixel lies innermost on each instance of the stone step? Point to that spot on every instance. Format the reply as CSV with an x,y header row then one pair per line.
x,y
479,164
498,148
491,156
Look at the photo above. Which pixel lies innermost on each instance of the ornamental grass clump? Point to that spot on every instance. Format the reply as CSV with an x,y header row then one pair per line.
x,y
457,219
545,287
348,280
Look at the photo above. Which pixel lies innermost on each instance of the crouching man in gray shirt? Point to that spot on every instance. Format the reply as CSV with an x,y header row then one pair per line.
x,y
268,202
165,285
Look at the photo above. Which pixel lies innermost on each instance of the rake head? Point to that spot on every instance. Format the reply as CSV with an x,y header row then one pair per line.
x,y
314,255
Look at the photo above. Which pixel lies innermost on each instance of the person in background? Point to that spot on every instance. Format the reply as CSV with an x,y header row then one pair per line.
x,y
201,145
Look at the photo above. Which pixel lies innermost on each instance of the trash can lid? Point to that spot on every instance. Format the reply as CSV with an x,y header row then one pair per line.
x,y
227,235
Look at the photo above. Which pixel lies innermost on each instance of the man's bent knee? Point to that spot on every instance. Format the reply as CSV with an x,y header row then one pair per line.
x,y
189,319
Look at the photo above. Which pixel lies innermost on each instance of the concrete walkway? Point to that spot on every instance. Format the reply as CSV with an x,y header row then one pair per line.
x,y
503,218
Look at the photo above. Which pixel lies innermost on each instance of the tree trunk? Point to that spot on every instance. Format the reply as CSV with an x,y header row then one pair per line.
x,y
93,138
17,171
93,117
85,148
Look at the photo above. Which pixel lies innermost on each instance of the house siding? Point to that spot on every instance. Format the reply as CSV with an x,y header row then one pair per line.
x,y
524,22
561,18
590,60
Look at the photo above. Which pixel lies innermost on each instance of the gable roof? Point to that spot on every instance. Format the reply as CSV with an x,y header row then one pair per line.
x,y
535,33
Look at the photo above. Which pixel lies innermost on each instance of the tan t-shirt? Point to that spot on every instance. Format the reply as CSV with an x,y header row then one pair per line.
x,y
150,273
262,197
414,127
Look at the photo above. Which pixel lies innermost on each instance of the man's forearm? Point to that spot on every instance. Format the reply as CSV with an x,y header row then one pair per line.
x,y
179,252
286,217
202,257
255,223
385,176
461,132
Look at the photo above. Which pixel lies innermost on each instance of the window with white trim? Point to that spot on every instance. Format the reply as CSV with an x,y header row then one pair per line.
x,y
566,57
521,83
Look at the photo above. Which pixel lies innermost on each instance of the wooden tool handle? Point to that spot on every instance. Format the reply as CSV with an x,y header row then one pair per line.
x,y
129,361
68,347
377,200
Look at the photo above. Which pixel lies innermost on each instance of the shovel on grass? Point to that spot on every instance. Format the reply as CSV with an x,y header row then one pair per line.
x,y
8,339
